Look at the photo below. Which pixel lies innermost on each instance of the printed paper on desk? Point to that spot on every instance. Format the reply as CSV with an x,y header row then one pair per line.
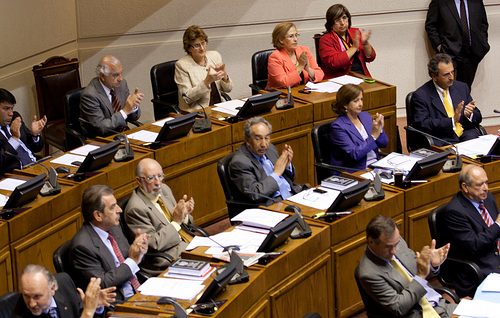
x,y
259,218
477,308
397,161
161,122
84,150
229,107
144,136
346,79
320,201
478,146
67,159
169,287
10,184
243,239
324,87
3,199
491,283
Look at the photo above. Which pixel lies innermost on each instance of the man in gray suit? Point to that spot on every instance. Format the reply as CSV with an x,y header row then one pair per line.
x,y
144,212
105,104
100,249
257,171
392,278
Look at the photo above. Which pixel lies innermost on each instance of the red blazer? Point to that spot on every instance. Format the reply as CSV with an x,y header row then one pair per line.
x,y
283,73
334,59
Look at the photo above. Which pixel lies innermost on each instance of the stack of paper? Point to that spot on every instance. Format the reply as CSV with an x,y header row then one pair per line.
x,y
259,218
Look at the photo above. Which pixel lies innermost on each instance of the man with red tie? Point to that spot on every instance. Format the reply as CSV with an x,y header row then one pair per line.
x,y
106,104
100,248
471,223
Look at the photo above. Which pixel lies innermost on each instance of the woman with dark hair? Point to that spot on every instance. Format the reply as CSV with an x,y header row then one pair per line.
x,y
200,75
343,49
355,135
290,64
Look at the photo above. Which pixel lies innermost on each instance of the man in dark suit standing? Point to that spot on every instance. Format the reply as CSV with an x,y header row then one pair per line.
x,y
106,104
257,171
100,248
443,107
17,141
460,29
471,223
46,295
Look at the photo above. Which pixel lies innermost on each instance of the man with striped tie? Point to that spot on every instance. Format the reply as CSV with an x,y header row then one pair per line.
x,y
100,248
106,104
153,209
471,223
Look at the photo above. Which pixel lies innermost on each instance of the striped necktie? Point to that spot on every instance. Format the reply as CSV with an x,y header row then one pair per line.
x,y
488,220
459,130
133,280
114,101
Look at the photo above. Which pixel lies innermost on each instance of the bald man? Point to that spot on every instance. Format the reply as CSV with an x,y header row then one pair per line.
x,y
471,223
106,104
145,213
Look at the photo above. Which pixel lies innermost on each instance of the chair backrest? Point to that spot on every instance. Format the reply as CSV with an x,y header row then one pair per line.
x,y
164,88
61,259
320,136
122,203
414,140
259,69
72,117
53,79
316,38
8,303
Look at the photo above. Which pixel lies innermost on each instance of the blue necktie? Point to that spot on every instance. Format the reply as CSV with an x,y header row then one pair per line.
x,y
23,155
53,312
284,186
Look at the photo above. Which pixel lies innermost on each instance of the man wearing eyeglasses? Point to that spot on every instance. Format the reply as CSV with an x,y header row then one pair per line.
x,y
152,209
106,104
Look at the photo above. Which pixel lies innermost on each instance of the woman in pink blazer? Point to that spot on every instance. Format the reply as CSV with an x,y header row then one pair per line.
x,y
290,64
343,49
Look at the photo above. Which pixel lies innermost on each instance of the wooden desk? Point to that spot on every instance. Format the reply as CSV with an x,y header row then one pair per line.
x,y
348,244
295,283
6,280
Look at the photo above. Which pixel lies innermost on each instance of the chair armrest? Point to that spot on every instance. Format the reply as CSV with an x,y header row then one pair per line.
x,y
448,291
174,108
482,131
136,123
225,96
328,167
464,266
76,134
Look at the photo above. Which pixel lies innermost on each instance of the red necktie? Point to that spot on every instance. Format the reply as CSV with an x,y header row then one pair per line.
x,y
114,101
488,220
119,255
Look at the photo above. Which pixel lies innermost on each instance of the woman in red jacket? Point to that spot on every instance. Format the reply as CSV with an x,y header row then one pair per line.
x,y
343,49
290,64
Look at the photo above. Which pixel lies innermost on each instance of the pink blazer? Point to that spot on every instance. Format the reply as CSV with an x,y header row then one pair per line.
x,y
283,73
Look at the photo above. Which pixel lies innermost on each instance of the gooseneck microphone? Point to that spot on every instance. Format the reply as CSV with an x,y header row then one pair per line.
x,y
496,111
451,165
201,124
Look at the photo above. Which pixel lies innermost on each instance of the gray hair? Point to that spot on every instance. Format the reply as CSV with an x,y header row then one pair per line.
x,y
254,121
103,66
432,66
35,269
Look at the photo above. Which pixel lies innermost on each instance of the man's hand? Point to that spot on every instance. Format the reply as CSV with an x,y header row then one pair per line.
x,y
423,262
38,125
91,297
139,247
182,208
469,108
458,112
133,102
284,160
15,127
438,255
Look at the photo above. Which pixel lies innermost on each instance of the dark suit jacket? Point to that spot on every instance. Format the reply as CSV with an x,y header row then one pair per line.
x,y
386,293
349,149
67,299
96,109
444,28
471,239
247,175
430,115
141,214
9,159
91,258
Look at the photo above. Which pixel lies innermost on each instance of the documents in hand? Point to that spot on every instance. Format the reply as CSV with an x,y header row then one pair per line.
x,y
338,183
169,287
316,200
189,267
259,218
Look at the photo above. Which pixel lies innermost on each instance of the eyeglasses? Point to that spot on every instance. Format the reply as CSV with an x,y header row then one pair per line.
x,y
291,36
150,179
341,19
199,45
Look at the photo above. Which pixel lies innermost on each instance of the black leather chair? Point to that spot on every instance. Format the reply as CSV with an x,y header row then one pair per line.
x,y
316,38
233,206
75,135
453,267
259,70
60,258
165,93
8,303
53,79
320,136
122,203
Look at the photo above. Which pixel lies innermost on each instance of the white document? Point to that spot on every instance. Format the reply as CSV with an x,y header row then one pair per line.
x,y
84,150
144,136
231,107
10,184
67,159
259,218
323,87
247,241
346,79
3,200
320,201
477,308
169,287
491,283
396,161
478,146
161,122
